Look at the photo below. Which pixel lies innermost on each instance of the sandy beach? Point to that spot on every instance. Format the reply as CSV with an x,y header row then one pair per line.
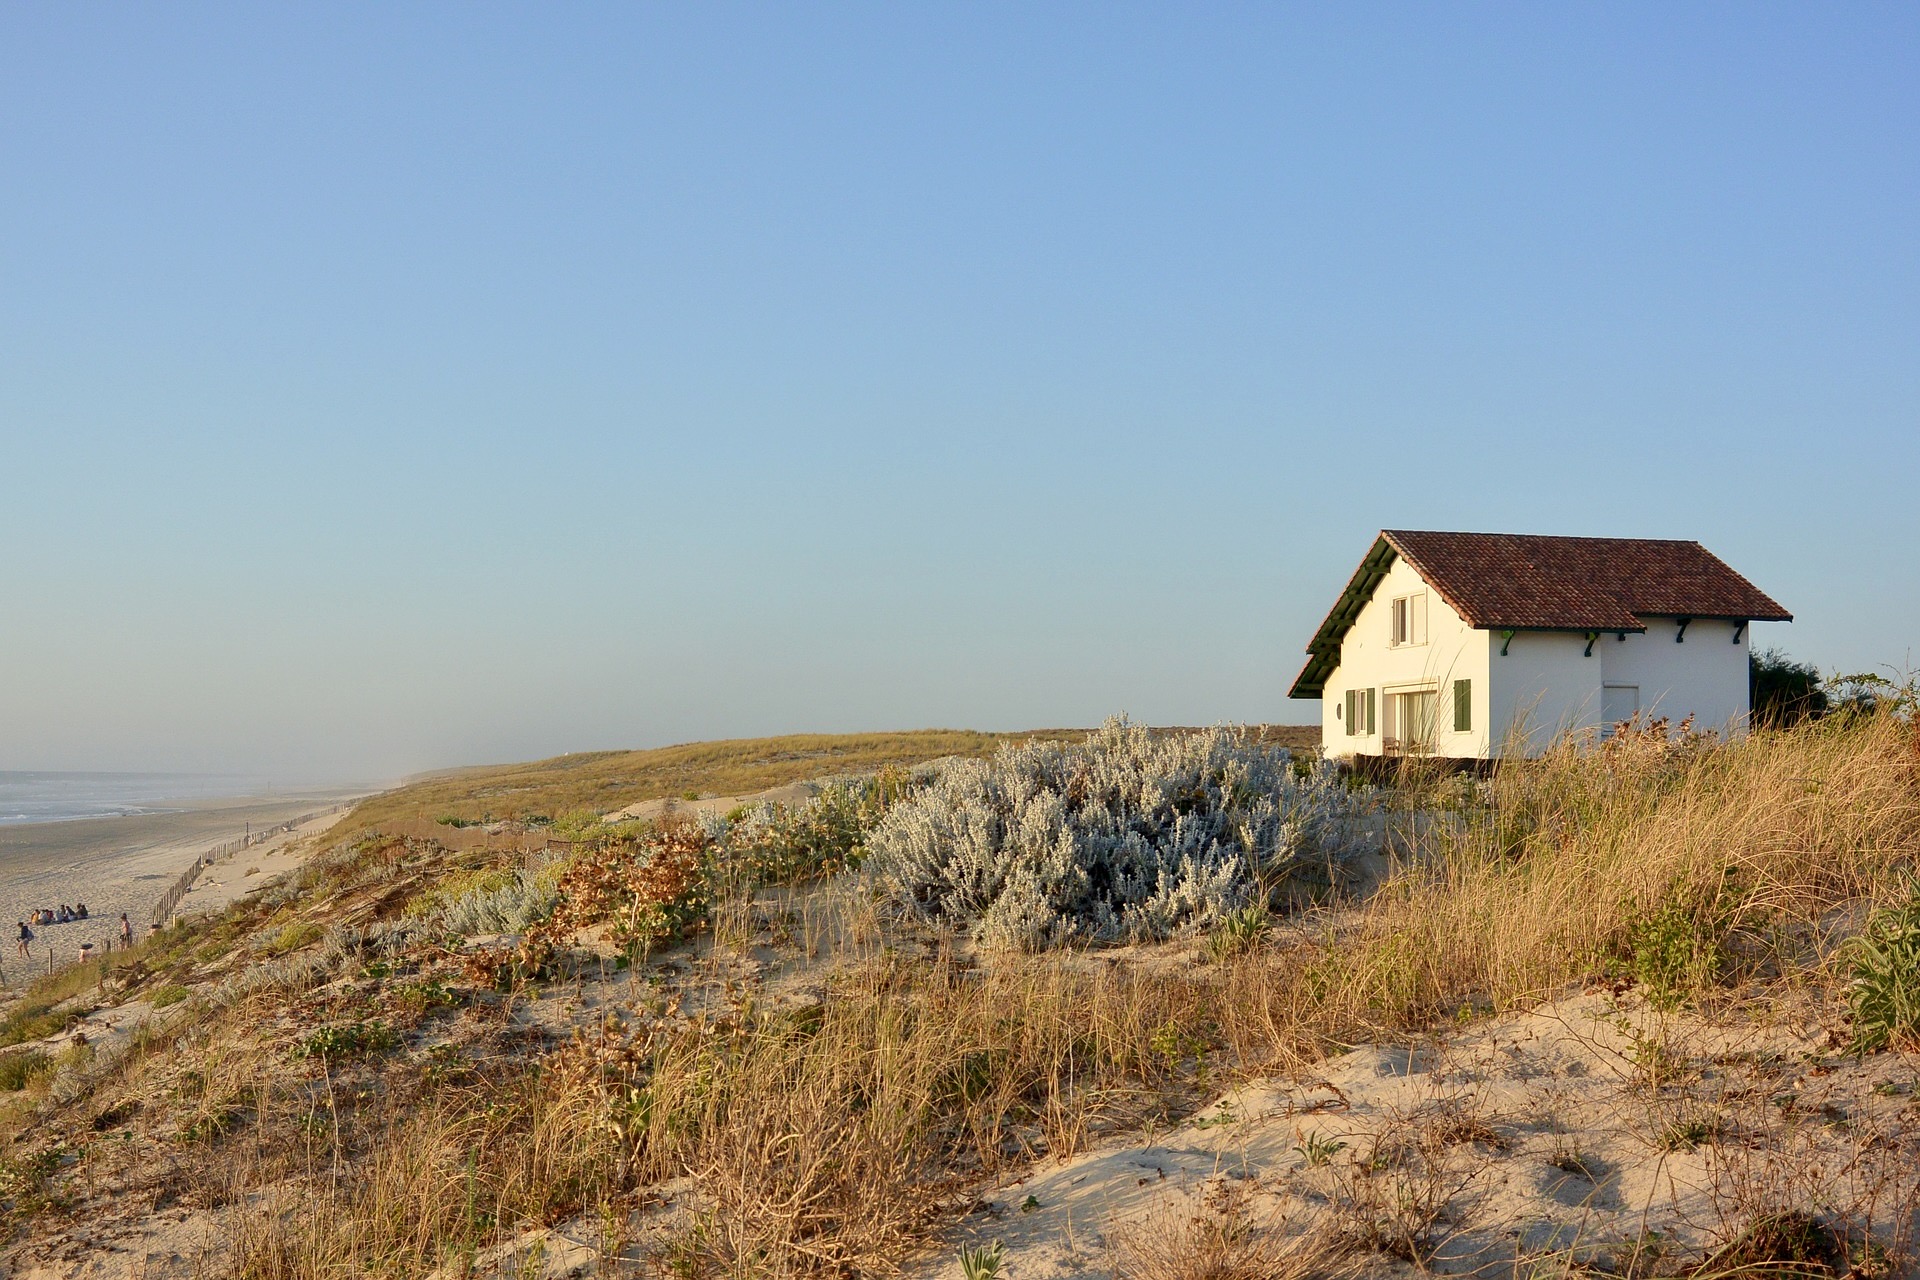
x,y
122,864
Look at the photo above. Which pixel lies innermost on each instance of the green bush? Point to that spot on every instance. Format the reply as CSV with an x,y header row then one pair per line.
x,y
1884,973
1783,692
1679,946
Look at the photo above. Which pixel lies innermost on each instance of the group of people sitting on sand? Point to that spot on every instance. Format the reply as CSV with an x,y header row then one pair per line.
x,y
67,915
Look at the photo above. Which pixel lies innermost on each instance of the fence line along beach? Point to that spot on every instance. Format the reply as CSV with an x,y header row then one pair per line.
x,y
136,863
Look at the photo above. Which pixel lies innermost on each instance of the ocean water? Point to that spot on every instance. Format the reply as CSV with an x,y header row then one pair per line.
x,y
62,797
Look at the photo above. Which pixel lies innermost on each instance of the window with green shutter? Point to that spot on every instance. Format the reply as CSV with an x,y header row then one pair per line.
x,y
1463,706
1360,712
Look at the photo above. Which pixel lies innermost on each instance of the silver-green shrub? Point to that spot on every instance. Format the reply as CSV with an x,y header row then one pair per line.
x,y
525,900
1125,837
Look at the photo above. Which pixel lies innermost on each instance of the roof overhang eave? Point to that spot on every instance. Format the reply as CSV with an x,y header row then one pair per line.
x,y
1576,628
1312,680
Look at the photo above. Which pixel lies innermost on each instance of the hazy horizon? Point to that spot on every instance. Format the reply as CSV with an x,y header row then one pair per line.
x,y
394,388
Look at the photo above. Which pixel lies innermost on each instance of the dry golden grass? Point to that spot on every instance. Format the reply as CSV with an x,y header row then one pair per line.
x,y
434,1184
596,782
1730,856
602,781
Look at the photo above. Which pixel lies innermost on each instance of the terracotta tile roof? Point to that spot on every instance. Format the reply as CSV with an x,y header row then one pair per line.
x,y
1532,582
1499,580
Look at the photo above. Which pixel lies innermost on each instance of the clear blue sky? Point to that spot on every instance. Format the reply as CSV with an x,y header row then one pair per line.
x,y
392,386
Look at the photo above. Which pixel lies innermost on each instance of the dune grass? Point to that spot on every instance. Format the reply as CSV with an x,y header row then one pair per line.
x,y
833,1137
827,1143
596,782
600,781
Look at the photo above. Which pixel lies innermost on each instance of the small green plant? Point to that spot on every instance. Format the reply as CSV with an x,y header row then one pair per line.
x,y
1174,1043
18,1070
209,1128
346,1040
1678,947
1655,1061
690,793
1031,1203
167,993
1884,977
292,936
33,1021
982,1262
1689,1130
1239,933
421,998
1318,1150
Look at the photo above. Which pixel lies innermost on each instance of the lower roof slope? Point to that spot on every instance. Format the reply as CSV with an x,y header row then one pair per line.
x,y
1535,582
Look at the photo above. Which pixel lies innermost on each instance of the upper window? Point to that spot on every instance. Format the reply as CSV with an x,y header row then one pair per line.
x,y
1409,619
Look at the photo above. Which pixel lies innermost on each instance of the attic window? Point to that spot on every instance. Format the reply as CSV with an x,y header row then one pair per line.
x,y
1409,619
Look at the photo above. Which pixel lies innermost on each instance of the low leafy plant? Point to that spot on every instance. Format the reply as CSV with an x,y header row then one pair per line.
x,y
1884,977
647,890
347,1040
779,844
167,993
982,1262
1678,946
421,998
1317,1150
1239,933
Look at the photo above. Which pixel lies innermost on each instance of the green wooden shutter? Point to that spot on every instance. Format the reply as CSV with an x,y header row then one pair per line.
x,y
1463,706
1370,710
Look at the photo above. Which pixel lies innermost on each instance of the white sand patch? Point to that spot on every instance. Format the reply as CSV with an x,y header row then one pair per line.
x,y
793,793
1580,1126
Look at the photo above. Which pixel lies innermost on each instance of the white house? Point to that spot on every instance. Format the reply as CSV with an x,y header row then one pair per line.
x,y
1466,644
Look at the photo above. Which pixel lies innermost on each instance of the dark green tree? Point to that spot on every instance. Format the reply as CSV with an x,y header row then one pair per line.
x,y
1784,692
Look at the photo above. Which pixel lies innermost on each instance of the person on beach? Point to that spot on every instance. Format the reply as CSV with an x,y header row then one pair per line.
x,y
80,909
26,941
126,930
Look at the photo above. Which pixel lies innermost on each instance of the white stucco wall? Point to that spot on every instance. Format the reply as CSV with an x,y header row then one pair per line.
x,y
1543,686
1704,676
1453,651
